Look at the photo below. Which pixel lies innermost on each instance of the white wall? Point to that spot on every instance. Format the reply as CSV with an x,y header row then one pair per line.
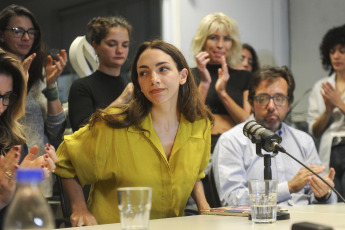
x,y
262,23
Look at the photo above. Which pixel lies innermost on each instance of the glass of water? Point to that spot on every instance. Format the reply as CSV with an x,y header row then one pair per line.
x,y
134,204
263,200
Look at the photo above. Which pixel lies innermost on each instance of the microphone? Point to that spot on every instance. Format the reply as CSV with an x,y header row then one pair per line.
x,y
269,140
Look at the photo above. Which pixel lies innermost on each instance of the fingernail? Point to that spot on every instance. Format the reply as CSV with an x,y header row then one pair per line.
x,y
46,156
42,166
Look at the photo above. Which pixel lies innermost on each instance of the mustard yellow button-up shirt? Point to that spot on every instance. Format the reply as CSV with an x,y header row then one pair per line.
x,y
109,158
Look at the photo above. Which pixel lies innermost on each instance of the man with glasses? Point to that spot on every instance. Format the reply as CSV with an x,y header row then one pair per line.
x,y
235,160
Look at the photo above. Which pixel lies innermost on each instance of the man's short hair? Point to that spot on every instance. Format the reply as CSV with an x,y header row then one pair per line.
x,y
271,74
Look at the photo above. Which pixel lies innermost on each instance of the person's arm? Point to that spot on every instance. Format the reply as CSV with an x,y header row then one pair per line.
x,y
205,78
199,196
53,71
236,112
80,104
80,214
8,166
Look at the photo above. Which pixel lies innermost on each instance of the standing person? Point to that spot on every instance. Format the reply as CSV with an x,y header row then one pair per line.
x,y
217,51
235,160
326,113
161,139
250,60
44,119
12,106
110,37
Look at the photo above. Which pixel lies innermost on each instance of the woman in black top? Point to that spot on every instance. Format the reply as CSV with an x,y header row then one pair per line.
x,y
110,37
217,50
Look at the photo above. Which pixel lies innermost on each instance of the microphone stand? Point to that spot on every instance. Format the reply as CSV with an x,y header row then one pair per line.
x,y
267,164
267,158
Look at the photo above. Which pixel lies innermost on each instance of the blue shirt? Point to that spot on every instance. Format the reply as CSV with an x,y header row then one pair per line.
x,y
235,162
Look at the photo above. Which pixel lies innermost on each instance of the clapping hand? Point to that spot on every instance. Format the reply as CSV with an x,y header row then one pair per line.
x,y
8,167
223,76
54,68
46,161
27,63
319,188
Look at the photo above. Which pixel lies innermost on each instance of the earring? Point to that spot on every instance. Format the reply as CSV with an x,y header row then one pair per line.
x,y
97,60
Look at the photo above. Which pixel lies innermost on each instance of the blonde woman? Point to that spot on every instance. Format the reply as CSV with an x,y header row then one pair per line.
x,y
217,51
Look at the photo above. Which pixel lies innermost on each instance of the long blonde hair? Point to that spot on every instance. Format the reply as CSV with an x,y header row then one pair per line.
x,y
10,129
218,21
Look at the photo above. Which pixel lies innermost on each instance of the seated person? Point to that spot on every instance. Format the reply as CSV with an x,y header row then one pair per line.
x,y
235,160
161,139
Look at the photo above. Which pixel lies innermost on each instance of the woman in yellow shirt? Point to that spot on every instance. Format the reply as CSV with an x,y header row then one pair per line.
x,y
161,139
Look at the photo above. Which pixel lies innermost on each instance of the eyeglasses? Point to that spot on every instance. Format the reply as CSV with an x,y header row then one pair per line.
x,y
19,32
263,99
8,98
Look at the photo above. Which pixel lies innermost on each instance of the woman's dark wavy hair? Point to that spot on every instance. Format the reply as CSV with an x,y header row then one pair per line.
x,y
255,64
10,129
189,102
38,47
271,74
333,37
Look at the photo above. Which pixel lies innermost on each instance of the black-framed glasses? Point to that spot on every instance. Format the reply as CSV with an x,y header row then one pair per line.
x,y
263,99
19,32
8,98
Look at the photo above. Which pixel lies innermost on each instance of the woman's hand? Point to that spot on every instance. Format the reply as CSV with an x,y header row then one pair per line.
x,y
223,77
202,59
8,167
46,161
82,217
26,65
331,96
53,70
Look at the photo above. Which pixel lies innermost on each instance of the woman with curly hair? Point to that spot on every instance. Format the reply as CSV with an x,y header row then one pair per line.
x,y
161,139
217,50
326,114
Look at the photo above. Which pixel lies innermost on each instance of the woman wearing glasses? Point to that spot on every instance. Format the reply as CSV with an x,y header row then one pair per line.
x,y
217,51
12,107
44,119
